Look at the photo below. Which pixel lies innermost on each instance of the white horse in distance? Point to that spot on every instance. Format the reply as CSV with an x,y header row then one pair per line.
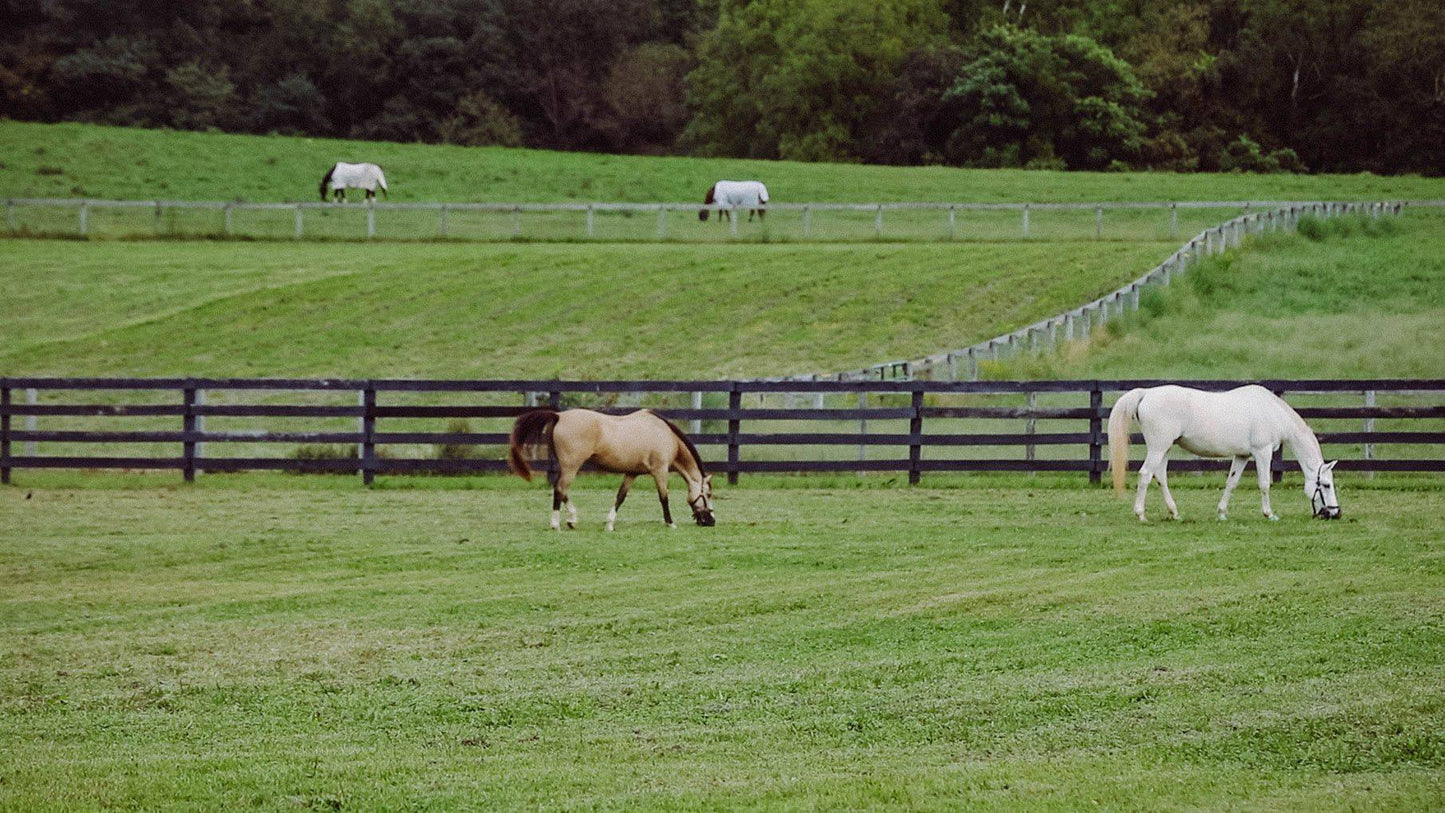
x,y
1243,423
343,176
750,195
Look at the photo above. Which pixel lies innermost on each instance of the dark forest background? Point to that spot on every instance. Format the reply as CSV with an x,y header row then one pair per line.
x,y
1188,85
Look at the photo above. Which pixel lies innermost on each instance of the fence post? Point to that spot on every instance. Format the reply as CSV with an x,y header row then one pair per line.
x,y
368,435
878,221
1031,399
188,425
370,220
32,397
733,221
862,424
1098,222
516,221
915,437
697,404
156,219
950,221
735,403
84,218
200,428
10,215
1096,429
661,222
442,221
226,220
298,221
1173,221
4,435
1368,450
1026,221
807,221
589,220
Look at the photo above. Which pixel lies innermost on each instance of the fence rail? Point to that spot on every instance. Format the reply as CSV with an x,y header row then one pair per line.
x,y
929,426
820,222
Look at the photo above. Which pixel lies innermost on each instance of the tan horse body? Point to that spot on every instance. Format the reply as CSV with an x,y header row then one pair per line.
x,y
631,445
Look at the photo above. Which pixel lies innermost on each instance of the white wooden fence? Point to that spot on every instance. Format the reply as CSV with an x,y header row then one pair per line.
x,y
814,222
1045,334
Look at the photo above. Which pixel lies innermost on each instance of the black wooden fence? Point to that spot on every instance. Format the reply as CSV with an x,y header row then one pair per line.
x,y
943,421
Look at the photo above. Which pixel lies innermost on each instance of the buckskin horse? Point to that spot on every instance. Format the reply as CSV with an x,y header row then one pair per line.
x,y
631,445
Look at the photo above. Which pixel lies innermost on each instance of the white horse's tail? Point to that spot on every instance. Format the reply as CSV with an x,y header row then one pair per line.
x,y
381,181
1125,410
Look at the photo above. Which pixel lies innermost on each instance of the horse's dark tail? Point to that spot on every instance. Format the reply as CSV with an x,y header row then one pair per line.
x,y
325,181
530,429
686,441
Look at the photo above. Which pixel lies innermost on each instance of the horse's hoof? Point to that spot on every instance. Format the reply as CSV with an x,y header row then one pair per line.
x,y
1273,518
609,528
672,524
1142,519
571,526
1222,517
1174,517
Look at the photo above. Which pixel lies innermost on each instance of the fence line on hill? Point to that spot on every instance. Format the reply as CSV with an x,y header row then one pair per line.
x,y
1078,323
931,426
464,221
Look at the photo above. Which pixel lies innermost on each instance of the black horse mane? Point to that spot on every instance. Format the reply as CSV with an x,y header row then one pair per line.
x,y
322,187
711,194
686,441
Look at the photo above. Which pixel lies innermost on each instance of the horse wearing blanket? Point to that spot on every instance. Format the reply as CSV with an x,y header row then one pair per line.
x,y
343,176
1243,423
638,443
729,195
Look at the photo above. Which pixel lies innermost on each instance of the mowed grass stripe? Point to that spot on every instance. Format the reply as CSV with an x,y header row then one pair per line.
x,y
571,311
82,160
230,645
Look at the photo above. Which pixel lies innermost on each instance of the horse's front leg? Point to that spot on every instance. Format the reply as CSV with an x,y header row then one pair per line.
x,y
1262,458
1146,473
621,495
660,477
1236,469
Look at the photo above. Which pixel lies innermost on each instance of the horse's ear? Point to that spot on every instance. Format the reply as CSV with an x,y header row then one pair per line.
x,y
1331,465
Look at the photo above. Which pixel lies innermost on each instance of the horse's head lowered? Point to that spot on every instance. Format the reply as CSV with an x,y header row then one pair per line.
x,y
711,198
1321,489
699,498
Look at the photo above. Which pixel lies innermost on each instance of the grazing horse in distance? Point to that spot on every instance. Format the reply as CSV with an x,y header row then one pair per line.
x,y
637,443
1243,423
343,176
750,195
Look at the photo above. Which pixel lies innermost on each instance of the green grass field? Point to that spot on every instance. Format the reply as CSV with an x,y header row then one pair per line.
x,y
79,160
528,311
1360,299
297,643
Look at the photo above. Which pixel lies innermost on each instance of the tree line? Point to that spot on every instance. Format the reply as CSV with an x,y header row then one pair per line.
x,y
1185,85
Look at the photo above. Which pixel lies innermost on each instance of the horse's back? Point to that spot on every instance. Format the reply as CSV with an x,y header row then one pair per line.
x,y
633,443
1213,424
740,193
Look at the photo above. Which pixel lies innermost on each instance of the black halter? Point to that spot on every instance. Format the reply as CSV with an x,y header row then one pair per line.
x,y
1318,504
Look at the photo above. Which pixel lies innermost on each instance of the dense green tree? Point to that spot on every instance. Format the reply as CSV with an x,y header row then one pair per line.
x,y
800,79
1025,99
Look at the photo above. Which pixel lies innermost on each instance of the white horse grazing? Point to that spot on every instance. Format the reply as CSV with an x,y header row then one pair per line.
x,y
1242,423
343,176
750,195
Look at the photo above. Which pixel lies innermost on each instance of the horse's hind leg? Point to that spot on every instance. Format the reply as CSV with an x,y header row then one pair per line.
x,y
1236,468
560,497
660,477
1161,473
621,495
1152,464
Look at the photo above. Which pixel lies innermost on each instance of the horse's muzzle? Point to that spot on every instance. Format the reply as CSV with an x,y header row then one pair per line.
x,y
702,214
704,518
1329,513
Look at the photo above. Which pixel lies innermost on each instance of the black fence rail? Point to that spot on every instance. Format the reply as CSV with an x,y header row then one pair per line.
x,y
385,426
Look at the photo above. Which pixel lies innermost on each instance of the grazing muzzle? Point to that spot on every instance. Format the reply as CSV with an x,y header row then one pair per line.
x,y
702,214
1323,493
702,511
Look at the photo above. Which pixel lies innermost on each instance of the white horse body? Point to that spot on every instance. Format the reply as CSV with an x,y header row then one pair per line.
x,y
1243,423
742,194
345,176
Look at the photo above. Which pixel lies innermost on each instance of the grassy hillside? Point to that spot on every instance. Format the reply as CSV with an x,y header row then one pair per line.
x,y
1355,299
594,311
73,160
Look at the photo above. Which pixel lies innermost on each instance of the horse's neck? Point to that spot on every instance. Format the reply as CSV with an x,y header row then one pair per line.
x,y
688,466
1303,444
